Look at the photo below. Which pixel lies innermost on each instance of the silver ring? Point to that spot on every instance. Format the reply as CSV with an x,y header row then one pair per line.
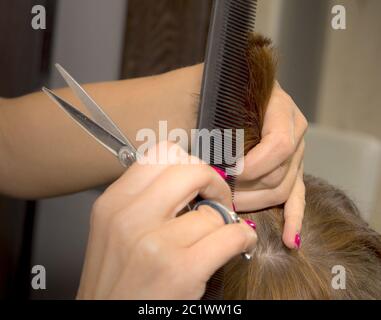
x,y
228,216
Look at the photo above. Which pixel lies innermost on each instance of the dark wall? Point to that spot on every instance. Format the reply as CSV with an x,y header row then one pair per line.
x,y
24,58
163,35
24,52
12,217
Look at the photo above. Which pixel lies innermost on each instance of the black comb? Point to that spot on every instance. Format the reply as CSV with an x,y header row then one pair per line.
x,y
224,88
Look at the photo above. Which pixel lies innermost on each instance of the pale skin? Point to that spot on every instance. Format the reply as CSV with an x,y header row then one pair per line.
x,y
131,255
273,171
43,153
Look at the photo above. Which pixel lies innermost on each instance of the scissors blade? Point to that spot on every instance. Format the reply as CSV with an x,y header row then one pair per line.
x,y
96,112
110,142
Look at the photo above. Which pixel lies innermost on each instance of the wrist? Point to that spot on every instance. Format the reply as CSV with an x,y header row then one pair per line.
x,y
172,97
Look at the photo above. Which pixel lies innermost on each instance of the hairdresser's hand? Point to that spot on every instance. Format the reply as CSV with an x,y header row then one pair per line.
x,y
273,172
139,249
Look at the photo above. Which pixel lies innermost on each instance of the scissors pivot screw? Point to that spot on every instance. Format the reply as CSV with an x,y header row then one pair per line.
x,y
126,157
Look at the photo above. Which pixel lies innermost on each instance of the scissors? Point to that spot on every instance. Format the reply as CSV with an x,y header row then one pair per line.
x,y
102,128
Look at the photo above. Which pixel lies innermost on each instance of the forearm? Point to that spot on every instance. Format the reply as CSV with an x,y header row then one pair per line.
x,y
44,153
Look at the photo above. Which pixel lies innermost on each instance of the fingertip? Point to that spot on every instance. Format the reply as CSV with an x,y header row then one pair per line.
x,y
292,227
294,214
292,239
250,230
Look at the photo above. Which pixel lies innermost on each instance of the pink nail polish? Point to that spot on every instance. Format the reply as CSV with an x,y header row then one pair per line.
x,y
297,241
251,223
221,172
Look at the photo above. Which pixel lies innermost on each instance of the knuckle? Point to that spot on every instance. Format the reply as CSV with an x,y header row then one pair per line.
x,y
151,246
304,121
285,145
202,170
201,175
275,178
283,96
225,191
287,98
281,195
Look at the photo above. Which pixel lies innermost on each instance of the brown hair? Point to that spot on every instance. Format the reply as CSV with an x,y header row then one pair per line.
x,y
333,232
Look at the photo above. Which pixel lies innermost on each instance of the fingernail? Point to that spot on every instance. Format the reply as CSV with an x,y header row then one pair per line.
x,y
221,172
297,241
251,223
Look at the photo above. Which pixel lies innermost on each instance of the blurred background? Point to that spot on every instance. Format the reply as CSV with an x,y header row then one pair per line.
x,y
333,75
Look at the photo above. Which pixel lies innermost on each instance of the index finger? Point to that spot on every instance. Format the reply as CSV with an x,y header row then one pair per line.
x,y
142,173
217,248
180,184
163,182
278,140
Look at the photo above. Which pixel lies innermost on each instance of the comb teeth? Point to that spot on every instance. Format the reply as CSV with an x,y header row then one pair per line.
x,y
225,80
231,70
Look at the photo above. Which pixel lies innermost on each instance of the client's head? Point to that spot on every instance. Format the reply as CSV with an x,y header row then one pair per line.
x,y
340,256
